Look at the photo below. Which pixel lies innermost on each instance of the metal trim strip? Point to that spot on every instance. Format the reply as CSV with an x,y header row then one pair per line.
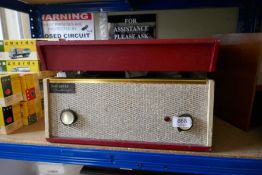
x,y
131,144
165,81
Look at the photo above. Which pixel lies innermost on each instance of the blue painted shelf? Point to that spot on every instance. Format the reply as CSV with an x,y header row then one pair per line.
x,y
132,160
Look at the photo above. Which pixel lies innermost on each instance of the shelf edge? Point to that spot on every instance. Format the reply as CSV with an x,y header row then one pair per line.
x,y
131,160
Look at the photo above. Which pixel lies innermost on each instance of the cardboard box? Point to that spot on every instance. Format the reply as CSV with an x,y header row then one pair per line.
x,y
10,119
22,66
2,62
2,66
20,50
10,89
39,108
31,111
42,103
1,49
42,75
46,74
30,86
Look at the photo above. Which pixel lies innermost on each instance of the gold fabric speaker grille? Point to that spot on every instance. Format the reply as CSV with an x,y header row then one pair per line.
x,y
131,111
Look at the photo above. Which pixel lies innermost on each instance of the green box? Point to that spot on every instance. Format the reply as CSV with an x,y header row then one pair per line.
x,y
1,49
2,66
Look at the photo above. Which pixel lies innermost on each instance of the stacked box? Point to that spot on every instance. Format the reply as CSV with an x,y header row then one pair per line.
x,y
42,75
20,55
22,66
10,89
31,111
24,90
30,86
3,66
2,61
20,50
10,119
20,92
31,108
39,108
1,49
32,98
10,97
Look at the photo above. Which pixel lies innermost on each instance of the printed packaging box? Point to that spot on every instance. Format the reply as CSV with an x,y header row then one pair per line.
x,y
46,74
31,111
1,49
2,62
39,108
42,75
20,50
22,66
30,86
10,119
10,89
2,66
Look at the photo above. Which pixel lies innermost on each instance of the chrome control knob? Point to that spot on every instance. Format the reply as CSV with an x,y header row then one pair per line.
x,y
68,117
185,121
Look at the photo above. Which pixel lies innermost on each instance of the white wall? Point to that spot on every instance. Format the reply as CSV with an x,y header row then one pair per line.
x,y
15,25
1,30
14,167
10,24
25,25
193,23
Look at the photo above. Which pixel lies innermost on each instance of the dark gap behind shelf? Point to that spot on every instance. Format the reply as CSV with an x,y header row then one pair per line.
x,y
88,170
256,119
160,75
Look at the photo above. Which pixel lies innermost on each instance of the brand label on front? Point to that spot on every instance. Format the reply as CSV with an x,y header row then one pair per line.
x,y
62,88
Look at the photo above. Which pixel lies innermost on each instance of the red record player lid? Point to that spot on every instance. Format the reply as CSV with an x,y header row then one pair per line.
x,y
177,55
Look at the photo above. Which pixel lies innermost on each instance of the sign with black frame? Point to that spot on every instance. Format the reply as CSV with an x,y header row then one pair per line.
x,y
132,26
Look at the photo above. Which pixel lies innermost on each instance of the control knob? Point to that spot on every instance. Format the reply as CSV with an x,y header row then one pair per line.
x,y
68,117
